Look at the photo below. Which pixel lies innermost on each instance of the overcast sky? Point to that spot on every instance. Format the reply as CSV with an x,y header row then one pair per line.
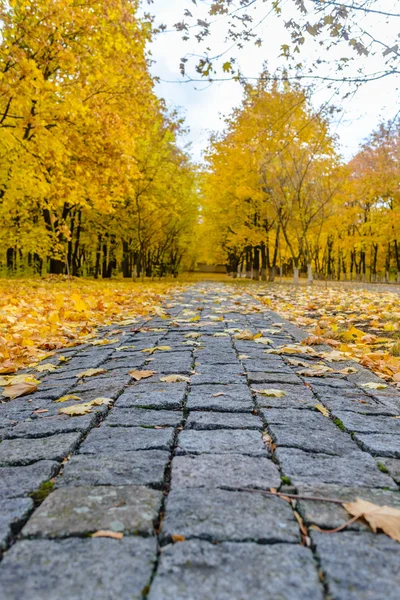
x,y
204,104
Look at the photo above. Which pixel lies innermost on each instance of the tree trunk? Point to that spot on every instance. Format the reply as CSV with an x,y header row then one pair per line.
x,y
296,274
56,266
309,274
263,262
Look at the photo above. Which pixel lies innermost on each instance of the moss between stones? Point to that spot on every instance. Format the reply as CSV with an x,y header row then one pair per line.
x,y
339,424
285,480
382,467
42,492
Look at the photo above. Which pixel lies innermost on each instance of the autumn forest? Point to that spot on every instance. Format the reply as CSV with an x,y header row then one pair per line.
x,y
95,183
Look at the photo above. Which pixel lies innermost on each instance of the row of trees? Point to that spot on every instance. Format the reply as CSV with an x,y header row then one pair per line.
x,y
91,178
277,194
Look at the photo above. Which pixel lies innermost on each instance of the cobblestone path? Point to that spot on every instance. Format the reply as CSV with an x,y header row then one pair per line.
x,y
170,465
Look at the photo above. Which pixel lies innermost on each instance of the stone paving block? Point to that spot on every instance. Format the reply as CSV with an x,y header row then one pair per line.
x,y
202,571
133,361
224,470
13,513
221,515
323,439
81,510
120,468
235,398
211,375
296,396
20,481
104,387
139,417
379,444
165,396
359,566
268,367
27,451
361,404
392,465
123,439
328,515
219,420
78,569
330,382
368,424
257,377
46,426
358,469
221,441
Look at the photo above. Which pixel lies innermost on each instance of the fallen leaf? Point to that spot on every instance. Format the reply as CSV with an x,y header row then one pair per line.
x,y
46,367
138,375
322,410
317,371
175,379
90,373
385,518
175,537
67,397
39,411
105,533
8,367
271,392
218,395
19,389
245,334
262,340
101,401
372,385
76,410
156,349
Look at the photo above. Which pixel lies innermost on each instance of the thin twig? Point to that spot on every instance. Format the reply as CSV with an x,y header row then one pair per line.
x,y
294,496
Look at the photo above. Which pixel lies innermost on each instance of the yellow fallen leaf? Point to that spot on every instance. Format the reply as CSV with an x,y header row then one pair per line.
x,y
262,340
176,537
101,401
322,410
157,349
90,373
80,304
243,356
271,392
220,335
385,518
105,533
12,380
76,410
245,334
64,359
193,335
67,397
8,367
317,371
175,379
138,375
104,342
19,389
45,367
372,385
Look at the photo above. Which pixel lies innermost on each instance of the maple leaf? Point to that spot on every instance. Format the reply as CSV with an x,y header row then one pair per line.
x,y
19,389
91,373
385,518
175,379
138,375
271,392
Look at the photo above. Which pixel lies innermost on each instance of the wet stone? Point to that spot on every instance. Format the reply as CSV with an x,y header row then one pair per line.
x,y
328,515
235,398
123,439
46,426
359,566
224,470
357,469
20,481
73,569
28,451
138,417
379,444
219,420
220,441
13,514
220,515
81,510
202,571
120,468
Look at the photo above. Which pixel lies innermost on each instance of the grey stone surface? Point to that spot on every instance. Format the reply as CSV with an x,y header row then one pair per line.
x,y
138,417
220,515
13,513
198,570
323,439
328,515
361,404
296,396
392,465
379,444
236,398
82,510
106,440
78,569
119,468
153,396
357,469
20,481
27,451
359,566
257,377
220,420
221,441
224,470
46,426
368,424
224,375
109,386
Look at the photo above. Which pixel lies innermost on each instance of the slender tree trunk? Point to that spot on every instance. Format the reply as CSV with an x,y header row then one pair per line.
x,y
310,278
263,262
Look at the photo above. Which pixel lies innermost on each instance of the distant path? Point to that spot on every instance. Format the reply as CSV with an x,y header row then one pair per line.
x,y
167,464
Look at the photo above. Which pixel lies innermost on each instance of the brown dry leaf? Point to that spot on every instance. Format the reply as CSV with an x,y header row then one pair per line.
x,y
138,375
175,537
269,442
293,349
90,373
262,340
175,379
67,397
385,518
106,533
245,334
346,371
101,401
8,367
243,356
273,393
39,411
17,390
322,410
317,371
218,395
298,363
